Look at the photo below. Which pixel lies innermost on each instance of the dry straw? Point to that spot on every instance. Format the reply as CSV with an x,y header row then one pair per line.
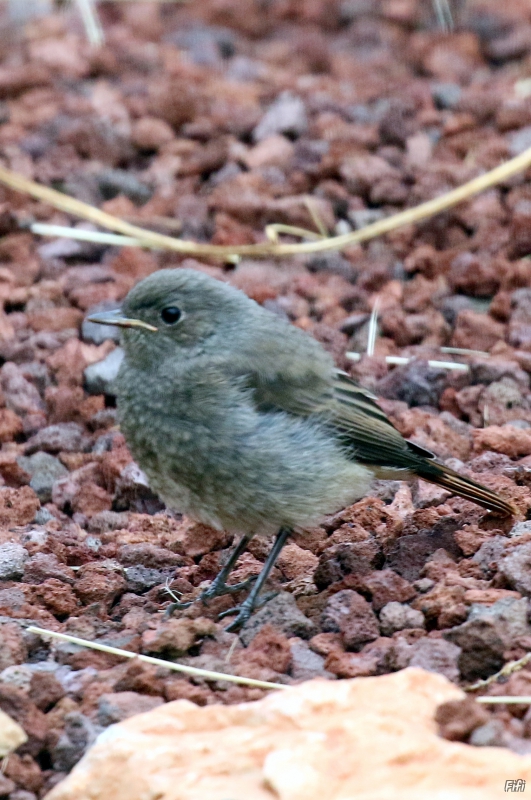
x,y
158,662
271,248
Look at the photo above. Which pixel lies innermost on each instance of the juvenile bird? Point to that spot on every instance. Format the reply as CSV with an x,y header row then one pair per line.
x,y
241,420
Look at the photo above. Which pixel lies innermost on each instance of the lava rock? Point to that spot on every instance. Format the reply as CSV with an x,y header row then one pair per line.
x,y
117,706
12,560
95,333
488,632
112,182
79,733
349,614
100,377
287,115
516,568
283,613
397,616
64,437
44,470
416,383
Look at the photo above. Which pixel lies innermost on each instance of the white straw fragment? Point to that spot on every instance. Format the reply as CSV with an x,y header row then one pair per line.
x,y
373,328
99,237
444,15
464,351
509,699
401,360
437,364
159,662
89,15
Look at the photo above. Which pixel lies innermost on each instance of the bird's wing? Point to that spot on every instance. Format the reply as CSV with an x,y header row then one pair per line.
x,y
366,430
346,407
367,434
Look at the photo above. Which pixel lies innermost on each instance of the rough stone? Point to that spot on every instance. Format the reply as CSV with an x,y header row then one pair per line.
x,y
487,633
94,333
349,614
113,182
308,741
44,470
11,735
100,377
17,506
118,706
175,636
458,718
12,560
397,616
79,733
305,664
65,436
100,582
287,115
436,655
516,568
282,613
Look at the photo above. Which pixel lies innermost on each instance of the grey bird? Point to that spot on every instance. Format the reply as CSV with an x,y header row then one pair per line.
x,y
242,421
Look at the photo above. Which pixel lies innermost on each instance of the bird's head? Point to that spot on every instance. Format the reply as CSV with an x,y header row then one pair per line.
x,y
177,309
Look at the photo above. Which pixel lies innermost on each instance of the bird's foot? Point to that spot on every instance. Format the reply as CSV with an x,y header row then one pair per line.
x,y
219,589
244,611
177,607
216,589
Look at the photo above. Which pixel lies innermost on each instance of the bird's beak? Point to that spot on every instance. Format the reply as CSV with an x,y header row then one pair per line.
x,y
117,318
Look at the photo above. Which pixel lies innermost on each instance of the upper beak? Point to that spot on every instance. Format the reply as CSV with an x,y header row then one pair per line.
x,y
117,318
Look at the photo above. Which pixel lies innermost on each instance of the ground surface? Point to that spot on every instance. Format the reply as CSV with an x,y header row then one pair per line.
x,y
213,120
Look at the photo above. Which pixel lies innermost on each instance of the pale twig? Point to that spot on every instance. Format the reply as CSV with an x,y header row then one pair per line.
x,y
464,351
373,328
98,237
444,14
159,662
274,228
93,28
309,202
412,215
505,672
505,699
231,650
436,364
170,591
401,360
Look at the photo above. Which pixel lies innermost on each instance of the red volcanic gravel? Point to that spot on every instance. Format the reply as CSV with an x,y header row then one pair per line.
x,y
211,120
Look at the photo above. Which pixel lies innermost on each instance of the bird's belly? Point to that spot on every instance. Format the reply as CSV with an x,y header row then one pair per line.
x,y
279,472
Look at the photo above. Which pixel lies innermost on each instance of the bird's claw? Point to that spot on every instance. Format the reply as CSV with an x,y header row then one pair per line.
x,y
218,591
210,593
177,607
244,611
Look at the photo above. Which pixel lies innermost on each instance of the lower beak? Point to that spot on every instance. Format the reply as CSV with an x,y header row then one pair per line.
x,y
117,318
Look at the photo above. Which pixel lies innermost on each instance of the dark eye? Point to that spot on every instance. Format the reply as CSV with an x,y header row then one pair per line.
x,y
170,315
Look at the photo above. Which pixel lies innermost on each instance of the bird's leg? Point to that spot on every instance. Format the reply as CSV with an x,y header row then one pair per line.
x,y
247,607
218,586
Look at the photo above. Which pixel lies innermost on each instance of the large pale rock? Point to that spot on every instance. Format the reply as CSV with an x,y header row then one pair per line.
x,y
11,735
367,738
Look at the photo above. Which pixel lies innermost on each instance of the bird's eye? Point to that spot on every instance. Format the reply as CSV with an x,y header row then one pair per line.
x,y
170,315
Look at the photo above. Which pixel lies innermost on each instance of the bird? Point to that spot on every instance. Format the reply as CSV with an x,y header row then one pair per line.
x,y
242,421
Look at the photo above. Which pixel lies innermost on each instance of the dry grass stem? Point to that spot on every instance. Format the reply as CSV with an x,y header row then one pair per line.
x,y
159,662
91,22
152,239
99,237
505,699
505,672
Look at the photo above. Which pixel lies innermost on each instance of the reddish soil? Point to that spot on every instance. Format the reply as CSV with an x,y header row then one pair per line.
x,y
214,119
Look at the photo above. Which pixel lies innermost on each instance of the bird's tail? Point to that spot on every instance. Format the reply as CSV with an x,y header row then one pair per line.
x,y
465,487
